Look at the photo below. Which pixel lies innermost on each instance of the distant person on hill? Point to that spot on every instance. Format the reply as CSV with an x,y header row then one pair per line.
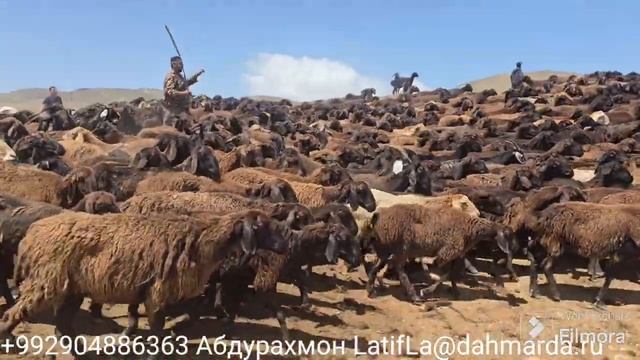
x,y
51,105
517,76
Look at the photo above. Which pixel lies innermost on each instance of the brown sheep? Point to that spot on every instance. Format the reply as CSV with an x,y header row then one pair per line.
x,y
80,145
405,231
591,230
215,203
16,215
596,194
275,190
312,195
124,258
32,184
326,175
623,197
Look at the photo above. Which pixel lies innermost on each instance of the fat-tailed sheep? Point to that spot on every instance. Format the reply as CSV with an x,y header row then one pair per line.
x,y
29,183
124,258
402,232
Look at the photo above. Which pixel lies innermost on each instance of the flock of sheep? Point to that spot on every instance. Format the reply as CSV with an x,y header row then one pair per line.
x,y
125,204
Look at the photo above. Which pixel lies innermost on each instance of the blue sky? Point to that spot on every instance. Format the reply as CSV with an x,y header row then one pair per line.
x,y
307,48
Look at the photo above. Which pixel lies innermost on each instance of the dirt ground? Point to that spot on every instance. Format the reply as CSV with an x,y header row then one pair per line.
x,y
341,310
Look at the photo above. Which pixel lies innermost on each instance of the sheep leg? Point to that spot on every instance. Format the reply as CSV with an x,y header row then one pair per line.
x,y
300,278
133,316
273,304
547,267
533,275
5,290
156,325
455,272
594,269
512,274
373,273
471,269
399,263
599,303
64,319
96,310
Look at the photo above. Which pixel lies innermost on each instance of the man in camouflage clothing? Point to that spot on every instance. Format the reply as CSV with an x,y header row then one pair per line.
x,y
177,96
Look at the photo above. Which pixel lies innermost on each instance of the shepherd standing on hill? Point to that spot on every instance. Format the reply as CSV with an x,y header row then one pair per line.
x,y
517,76
177,96
51,105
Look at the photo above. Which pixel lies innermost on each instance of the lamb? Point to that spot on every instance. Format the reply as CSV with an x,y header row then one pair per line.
x,y
355,193
32,184
406,231
592,231
131,259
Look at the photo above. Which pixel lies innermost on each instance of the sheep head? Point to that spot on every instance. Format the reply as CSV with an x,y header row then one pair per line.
x,y
342,244
255,231
419,179
554,166
330,175
295,216
356,194
80,182
97,202
471,164
203,162
275,191
150,157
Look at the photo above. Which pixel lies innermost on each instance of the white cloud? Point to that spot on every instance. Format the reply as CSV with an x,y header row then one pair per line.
x,y
305,78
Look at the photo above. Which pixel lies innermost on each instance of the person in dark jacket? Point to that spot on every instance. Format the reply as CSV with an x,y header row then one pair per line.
x,y
49,114
517,76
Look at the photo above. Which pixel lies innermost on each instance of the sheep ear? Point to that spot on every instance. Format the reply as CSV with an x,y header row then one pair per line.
x,y
275,193
375,218
291,218
172,151
80,206
526,183
192,164
606,170
353,197
248,241
12,131
458,171
142,162
503,242
72,191
331,252
91,183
